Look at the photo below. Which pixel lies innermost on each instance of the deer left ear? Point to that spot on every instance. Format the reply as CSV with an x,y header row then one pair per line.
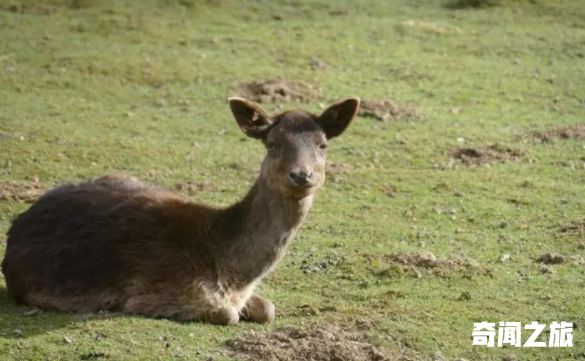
x,y
252,119
335,119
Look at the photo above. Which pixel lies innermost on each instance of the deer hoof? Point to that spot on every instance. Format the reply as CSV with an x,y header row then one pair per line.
x,y
224,317
259,310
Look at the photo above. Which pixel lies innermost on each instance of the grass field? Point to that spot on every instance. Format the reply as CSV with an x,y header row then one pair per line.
x,y
139,88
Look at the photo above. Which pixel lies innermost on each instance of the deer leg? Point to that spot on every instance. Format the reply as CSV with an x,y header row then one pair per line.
x,y
224,316
150,305
259,310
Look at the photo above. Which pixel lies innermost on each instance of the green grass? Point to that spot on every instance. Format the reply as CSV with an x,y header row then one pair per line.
x,y
139,87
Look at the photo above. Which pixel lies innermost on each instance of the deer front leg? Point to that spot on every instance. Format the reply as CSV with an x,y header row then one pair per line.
x,y
224,316
259,310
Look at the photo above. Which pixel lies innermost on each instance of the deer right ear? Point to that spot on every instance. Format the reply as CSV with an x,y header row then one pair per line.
x,y
252,119
335,119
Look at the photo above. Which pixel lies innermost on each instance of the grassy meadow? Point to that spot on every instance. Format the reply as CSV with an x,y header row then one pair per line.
x,y
485,176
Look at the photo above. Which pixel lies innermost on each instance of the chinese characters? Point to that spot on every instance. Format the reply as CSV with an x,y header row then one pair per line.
x,y
484,334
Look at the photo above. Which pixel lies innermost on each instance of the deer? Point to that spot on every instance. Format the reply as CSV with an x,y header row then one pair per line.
x,y
116,243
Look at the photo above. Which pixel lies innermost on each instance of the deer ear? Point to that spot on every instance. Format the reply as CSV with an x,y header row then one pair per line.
x,y
252,119
335,119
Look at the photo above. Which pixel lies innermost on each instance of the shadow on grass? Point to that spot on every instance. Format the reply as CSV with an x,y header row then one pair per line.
x,y
21,321
14,322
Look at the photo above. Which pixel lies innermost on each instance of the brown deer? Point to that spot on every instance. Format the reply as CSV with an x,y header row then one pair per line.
x,y
119,244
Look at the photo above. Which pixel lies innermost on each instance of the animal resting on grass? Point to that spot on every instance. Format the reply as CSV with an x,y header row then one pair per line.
x,y
120,244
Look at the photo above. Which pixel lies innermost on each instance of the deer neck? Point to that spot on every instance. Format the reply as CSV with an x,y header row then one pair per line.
x,y
259,229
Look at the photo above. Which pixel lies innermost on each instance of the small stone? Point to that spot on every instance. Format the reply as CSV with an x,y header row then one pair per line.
x,y
33,312
67,339
577,260
505,257
317,63
464,296
364,284
416,272
439,357
450,210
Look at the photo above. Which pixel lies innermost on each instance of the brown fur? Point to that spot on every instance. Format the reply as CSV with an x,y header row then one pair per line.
x,y
121,244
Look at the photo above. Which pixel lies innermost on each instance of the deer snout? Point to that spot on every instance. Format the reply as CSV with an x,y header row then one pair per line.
x,y
301,177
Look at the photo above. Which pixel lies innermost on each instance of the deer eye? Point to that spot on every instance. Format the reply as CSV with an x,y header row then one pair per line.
x,y
323,146
271,146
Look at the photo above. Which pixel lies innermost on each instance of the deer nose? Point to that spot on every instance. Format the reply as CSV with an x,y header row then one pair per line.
x,y
300,178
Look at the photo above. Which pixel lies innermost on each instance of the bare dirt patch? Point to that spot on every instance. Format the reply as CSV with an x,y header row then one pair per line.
x,y
429,27
553,258
277,90
575,228
21,192
568,132
309,265
488,155
420,264
384,109
29,9
426,260
480,4
333,343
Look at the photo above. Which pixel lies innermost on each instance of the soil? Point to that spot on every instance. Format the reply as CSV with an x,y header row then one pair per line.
x,y
553,258
20,192
333,343
29,9
276,90
576,228
419,264
489,155
313,267
384,109
428,260
429,27
568,132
